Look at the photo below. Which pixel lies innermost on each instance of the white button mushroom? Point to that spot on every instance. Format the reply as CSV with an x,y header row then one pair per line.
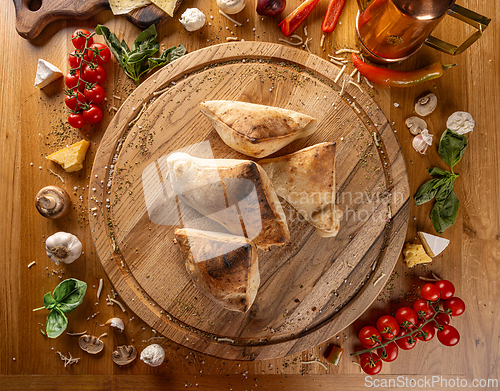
x,y
426,104
231,6
52,202
460,122
124,354
63,247
192,19
153,355
416,125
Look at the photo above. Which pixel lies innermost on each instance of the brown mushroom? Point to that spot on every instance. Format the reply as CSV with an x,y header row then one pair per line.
x,y
416,125
52,202
426,104
124,354
90,344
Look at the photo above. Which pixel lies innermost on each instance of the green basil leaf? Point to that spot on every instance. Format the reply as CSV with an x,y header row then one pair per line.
x,y
48,301
56,323
167,56
119,49
452,147
140,56
177,53
445,189
436,171
428,190
69,294
444,213
144,39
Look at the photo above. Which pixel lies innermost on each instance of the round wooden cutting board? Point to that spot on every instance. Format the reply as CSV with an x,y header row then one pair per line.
x,y
310,289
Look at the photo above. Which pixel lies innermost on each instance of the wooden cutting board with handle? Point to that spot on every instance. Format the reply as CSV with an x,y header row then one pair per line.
x,y
33,15
311,289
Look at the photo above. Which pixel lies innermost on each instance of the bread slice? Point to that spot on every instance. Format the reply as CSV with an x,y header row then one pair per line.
x,y
235,193
256,130
306,180
223,266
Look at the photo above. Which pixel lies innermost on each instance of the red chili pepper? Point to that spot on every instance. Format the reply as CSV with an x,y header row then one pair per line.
x,y
332,15
334,355
392,78
297,16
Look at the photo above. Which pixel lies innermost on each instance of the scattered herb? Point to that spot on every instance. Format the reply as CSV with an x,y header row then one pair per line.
x,y
66,297
444,213
139,60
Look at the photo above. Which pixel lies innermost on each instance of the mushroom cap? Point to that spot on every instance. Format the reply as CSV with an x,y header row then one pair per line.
x,y
426,104
52,202
416,125
90,344
124,354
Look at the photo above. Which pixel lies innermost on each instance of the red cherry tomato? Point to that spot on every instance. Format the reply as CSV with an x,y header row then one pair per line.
x,y
441,319
369,365
94,73
428,329
71,102
449,336
76,120
367,336
98,54
93,114
71,80
446,288
406,317
388,326
429,292
95,93
408,342
422,306
391,352
79,37
456,305
74,59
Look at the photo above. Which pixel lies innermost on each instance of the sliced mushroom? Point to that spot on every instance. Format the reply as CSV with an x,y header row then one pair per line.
x,y
90,344
52,202
124,354
426,104
115,322
416,125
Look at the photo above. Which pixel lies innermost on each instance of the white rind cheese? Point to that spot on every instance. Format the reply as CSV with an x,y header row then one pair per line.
x,y
434,245
46,73
120,7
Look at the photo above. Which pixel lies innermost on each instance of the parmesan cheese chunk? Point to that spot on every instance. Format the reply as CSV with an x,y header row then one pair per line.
x,y
46,73
415,254
72,157
434,245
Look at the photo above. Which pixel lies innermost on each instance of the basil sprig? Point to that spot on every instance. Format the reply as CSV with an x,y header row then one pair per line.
x,y
138,60
445,210
66,297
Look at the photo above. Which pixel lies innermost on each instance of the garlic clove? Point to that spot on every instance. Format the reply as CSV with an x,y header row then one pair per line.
x,y
419,144
115,322
427,137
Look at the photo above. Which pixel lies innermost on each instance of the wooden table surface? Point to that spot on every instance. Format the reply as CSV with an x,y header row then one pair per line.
x,y
33,124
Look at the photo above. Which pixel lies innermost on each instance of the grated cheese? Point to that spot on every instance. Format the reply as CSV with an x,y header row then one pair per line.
x,y
31,264
378,279
322,40
57,175
225,340
306,44
347,51
231,38
293,43
67,360
355,84
231,19
315,362
336,62
343,86
353,72
99,290
368,82
118,304
305,31
339,74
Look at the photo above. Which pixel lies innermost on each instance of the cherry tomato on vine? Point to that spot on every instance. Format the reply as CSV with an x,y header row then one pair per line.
x,y
388,326
428,329
94,73
406,343
429,292
446,288
369,365
74,59
97,53
441,319
406,317
76,120
79,37
449,336
422,305
71,102
95,93
391,352
456,305
93,114
71,80
367,336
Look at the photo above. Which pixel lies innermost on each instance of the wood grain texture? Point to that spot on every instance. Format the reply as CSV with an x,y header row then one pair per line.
x,y
30,129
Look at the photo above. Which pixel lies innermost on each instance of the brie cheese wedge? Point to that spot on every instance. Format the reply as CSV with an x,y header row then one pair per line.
x,y
46,73
434,245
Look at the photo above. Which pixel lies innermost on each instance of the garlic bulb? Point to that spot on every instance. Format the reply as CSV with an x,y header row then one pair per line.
x,y
460,122
422,141
63,247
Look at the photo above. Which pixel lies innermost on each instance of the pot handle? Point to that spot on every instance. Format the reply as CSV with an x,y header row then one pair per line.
x,y
467,16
